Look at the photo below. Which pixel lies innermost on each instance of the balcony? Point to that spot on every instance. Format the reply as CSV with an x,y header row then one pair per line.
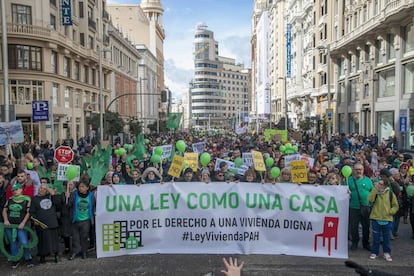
x,y
92,24
30,30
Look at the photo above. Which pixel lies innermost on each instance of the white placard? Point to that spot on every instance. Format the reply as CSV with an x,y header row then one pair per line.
x,y
61,172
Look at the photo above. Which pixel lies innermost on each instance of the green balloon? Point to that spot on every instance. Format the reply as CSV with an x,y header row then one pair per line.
x,y
156,159
146,141
275,172
282,149
346,171
269,162
180,145
71,172
116,152
205,159
158,150
410,190
121,151
126,146
288,146
295,148
238,162
30,165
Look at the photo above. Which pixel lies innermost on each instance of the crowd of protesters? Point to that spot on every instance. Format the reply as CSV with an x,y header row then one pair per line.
x,y
380,178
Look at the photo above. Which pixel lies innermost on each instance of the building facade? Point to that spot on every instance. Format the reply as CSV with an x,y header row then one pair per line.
x,y
373,53
220,87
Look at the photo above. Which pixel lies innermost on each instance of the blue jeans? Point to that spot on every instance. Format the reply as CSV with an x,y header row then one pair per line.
x,y
20,240
381,231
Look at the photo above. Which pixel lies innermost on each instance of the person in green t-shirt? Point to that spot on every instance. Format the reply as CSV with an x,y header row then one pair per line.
x,y
81,206
360,186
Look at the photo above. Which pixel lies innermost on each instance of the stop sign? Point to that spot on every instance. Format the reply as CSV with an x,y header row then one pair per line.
x,y
64,154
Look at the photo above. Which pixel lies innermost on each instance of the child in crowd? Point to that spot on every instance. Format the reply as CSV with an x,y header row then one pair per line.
x,y
16,211
384,206
332,179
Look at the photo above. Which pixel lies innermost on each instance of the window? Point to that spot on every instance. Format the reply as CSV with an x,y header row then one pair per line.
x,y
67,97
76,71
93,76
376,7
55,94
378,53
364,13
53,21
386,83
53,62
341,63
25,57
82,39
85,74
90,42
81,9
390,49
408,38
354,90
25,91
21,14
78,98
358,60
385,124
66,67
367,53
409,78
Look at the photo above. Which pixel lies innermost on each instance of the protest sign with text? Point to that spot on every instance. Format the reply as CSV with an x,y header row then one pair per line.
x,y
221,218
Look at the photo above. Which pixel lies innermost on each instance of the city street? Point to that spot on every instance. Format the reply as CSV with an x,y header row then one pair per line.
x,y
403,250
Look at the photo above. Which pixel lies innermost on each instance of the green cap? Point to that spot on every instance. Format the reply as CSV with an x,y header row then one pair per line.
x,y
16,186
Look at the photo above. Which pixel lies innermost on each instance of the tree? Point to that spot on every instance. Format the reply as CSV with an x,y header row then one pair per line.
x,y
306,124
113,124
135,128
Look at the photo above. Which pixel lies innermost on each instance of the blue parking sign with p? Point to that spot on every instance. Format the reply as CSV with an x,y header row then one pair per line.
x,y
329,114
40,111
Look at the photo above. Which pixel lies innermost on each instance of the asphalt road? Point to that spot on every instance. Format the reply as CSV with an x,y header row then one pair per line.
x,y
402,253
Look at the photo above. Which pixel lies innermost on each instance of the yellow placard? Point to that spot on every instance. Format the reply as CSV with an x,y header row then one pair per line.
x,y
176,166
298,171
258,162
191,160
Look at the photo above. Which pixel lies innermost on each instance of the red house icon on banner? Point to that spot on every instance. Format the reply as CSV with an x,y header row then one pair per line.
x,y
330,230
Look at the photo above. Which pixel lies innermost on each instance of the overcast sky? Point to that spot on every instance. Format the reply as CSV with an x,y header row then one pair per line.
x,y
230,20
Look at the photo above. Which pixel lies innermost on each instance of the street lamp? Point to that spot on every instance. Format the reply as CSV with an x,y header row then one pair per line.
x,y
141,97
101,102
328,76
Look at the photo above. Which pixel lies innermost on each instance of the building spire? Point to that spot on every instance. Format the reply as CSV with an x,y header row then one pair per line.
x,y
152,9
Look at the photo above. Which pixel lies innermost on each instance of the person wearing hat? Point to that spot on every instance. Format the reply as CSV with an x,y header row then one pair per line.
x,y
17,212
188,175
204,175
151,175
116,179
81,206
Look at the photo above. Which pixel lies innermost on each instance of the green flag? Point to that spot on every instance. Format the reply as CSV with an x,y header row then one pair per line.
x,y
174,119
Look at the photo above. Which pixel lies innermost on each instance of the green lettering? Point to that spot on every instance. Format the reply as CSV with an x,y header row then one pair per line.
x,y
219,201
251,203
264,201
189,205
234,200
319,201
110,208
137,204
332,206
277,203
291,199
164,201
153,207
204,201
175,199
307,205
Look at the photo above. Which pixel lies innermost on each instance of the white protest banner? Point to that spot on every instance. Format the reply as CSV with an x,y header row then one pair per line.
x,y
221,218
61,172
247,158
289,158
166,151
199,147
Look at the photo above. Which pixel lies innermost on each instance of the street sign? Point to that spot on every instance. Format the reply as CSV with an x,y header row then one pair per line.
x,y
64,154
329,114
40,111
403,120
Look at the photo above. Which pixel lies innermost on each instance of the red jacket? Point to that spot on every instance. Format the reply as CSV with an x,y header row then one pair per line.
x,y
28,190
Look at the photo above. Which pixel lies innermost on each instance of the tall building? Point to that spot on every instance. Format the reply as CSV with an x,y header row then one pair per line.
x,y
220,87
372,49
143,25
50,61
